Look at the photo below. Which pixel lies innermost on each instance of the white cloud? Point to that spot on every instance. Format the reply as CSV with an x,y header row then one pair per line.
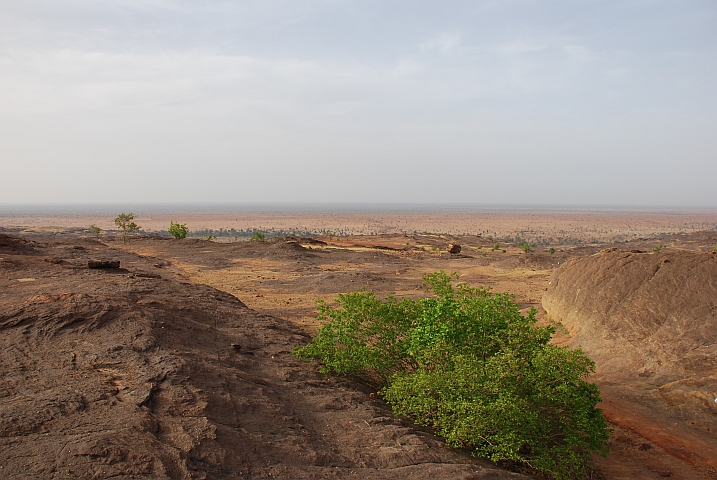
x,y
445,42
579,54
520,47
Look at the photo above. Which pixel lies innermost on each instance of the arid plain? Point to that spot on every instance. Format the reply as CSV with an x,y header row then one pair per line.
x,y
388,253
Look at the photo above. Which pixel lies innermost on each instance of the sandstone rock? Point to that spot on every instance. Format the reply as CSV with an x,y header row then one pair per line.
x,y
453,248
654,311
649,322
103,264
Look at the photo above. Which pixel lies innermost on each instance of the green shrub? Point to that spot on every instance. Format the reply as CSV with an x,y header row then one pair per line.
x,y
526,247
95,230
658,248
177,230
467,363
496,246
552,250
257,237
125,223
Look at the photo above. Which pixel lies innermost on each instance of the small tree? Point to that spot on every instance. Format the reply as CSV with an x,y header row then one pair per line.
x,y
95,230
257,237
527,248
125,223
177,230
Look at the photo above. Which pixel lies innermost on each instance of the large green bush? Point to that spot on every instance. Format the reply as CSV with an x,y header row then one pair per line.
x,y
467,363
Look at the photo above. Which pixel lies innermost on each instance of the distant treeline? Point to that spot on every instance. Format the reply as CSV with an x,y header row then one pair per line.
x,y
249,232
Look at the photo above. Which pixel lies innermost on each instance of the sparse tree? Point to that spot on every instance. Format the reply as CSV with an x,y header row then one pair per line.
x,y
95,230
177,230
125,223
527,248
257,237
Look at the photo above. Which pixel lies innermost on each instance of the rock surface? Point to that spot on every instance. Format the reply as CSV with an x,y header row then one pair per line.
x,y
649,321
121,374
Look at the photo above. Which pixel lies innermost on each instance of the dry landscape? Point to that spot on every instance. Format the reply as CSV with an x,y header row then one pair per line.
x,y
177,365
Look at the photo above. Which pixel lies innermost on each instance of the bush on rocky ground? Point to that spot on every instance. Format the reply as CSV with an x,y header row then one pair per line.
x,y
465,362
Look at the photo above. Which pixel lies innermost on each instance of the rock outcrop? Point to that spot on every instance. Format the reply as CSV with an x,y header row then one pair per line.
x,y
649,321
636,313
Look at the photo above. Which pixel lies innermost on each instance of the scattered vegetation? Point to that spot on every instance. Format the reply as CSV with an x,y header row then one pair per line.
x,y
257,237
467,363
177,230
268,233
552,250
125,223
496,246
208,237
526,247
95,230
658,248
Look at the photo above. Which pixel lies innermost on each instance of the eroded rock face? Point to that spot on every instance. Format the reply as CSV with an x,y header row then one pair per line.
x,y
636,313
649,321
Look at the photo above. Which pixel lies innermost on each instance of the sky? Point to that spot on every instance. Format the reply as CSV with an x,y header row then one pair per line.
x,y
442,102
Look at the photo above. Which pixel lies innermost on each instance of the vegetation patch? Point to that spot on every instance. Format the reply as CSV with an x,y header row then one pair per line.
x,y
465,362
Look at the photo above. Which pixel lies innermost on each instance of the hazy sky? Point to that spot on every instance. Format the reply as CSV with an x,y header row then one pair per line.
x,y
553,102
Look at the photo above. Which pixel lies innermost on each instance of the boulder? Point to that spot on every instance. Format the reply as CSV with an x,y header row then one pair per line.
x,y
453,248
103,264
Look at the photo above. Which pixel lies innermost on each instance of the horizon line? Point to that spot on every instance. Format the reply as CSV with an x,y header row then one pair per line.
x,y
334,207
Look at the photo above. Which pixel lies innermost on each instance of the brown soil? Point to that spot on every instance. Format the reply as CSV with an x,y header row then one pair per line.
x,y
128,370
